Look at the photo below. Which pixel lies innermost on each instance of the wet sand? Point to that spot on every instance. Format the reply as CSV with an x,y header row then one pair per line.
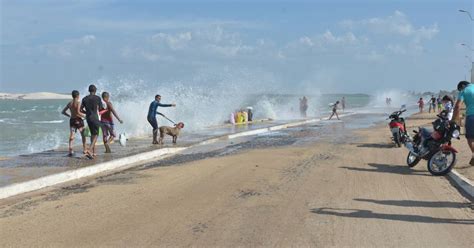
x,y
306,186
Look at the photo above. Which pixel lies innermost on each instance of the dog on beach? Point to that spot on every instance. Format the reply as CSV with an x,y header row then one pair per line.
x,y
171,131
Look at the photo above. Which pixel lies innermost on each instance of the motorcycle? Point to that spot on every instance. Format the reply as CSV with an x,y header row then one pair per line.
x,y
435,146
397,128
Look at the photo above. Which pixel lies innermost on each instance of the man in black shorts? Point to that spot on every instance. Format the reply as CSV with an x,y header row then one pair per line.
x,y
91,105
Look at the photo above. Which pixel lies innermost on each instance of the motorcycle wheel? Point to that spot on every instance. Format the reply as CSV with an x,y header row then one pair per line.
x,y
412,159
441,163
396,139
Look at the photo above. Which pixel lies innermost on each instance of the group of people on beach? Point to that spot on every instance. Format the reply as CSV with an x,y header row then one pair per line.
x,y
99,114
438,104
241,116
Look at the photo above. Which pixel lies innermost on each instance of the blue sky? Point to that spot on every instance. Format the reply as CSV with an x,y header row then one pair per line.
x,y
279,46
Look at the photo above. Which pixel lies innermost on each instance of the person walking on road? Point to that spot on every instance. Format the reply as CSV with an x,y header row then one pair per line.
x,y
466,95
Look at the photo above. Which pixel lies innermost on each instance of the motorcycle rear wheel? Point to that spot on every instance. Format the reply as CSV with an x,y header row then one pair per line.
x,y
396,139
412,159
441,158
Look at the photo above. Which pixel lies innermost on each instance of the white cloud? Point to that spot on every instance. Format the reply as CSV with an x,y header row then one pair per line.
x,y
88,39
396,49
305,40
69,47
175,42
372,56
397,23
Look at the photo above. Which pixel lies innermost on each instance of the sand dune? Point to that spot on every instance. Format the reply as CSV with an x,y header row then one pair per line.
x,y
33,96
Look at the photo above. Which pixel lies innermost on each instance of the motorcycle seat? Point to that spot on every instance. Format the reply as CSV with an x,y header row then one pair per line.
x,y
426,132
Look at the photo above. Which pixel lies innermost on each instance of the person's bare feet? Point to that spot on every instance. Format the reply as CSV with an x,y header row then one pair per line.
x,y
88,155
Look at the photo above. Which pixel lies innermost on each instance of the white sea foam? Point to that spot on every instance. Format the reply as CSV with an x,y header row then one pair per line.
x,y
202,102
49,141
49,122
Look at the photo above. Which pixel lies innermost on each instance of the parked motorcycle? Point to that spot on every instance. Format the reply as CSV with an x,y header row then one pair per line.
x,y
435,146
398,129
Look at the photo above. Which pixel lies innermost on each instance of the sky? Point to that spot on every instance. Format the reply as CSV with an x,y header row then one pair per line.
x,y
279,46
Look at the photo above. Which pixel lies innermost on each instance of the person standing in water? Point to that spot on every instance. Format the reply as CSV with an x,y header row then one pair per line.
x,y
152,111
303,106
334,110
343,103
75,121
90,106
107,121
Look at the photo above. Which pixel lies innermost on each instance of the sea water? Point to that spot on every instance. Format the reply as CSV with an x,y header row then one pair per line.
x,y
29,126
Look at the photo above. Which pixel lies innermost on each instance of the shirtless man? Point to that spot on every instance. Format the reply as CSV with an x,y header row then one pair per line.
x,y
75,121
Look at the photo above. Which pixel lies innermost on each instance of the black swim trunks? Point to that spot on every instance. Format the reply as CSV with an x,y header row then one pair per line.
x,y
76,123
94,125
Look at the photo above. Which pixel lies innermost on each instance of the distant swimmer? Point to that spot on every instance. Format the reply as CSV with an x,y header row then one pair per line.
x,y
152,111
75,121
91,105
107,114
334,110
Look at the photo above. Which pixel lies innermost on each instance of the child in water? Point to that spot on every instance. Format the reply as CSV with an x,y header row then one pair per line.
x,y
334,110
75,121
108,132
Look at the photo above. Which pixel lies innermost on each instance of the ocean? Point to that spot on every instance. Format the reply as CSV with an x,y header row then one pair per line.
x,y
30,126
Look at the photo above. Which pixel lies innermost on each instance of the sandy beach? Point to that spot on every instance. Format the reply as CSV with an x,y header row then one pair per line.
x,y
33,96
350,189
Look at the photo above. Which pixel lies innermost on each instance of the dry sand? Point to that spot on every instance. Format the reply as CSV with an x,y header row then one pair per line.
x,y
34,96
341,193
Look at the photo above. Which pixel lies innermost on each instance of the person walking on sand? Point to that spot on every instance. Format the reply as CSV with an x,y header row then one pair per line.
x,y
151,117
421,104
107,121
466,95
433,104
439,101
334,110
91,105
75,121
